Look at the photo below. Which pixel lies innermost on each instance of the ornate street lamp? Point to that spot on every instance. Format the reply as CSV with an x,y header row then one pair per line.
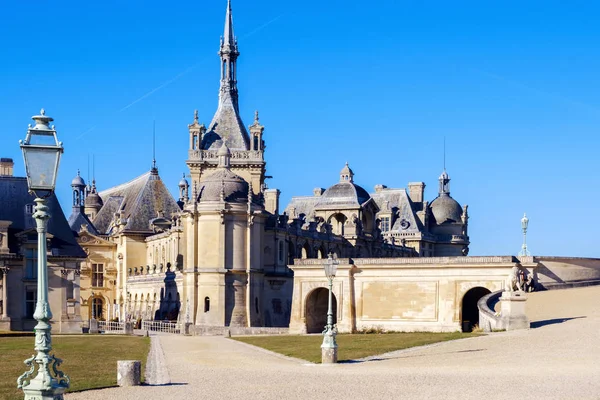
x,y
329,346
524,225
41,152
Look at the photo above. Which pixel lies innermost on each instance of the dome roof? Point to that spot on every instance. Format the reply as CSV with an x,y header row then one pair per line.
x,y
93,200
344,194
183,182
78,181
234,188
445,209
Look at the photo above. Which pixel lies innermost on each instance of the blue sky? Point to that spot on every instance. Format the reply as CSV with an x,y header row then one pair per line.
x,y
511,86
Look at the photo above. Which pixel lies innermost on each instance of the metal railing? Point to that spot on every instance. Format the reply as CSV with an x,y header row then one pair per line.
x,y
161,326
111,326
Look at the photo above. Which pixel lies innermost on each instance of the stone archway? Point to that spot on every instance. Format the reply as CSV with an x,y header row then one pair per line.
x,y
470,312
316,310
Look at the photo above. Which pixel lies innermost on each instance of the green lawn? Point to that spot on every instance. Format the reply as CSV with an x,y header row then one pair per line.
x,y
90,360
350,346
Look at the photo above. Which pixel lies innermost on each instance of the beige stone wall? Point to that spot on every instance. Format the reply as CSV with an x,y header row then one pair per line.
x,y
422,294
103,252
65,310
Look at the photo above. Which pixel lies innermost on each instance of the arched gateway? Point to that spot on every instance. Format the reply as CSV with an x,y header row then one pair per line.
x,y
470,312
316,310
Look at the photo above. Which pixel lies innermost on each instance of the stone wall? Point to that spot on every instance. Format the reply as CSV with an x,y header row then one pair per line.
x,y
559,272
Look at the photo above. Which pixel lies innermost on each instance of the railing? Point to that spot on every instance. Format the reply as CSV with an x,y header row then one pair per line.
x,y
489,320
211,155
111,327
161,326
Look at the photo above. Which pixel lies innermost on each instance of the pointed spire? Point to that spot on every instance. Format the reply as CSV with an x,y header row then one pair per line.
x,y
229,53
227,124
228,36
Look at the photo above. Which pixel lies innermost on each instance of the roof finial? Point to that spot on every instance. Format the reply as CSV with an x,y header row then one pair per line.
x,y
196,116
256,117
444,153
154,170
42,112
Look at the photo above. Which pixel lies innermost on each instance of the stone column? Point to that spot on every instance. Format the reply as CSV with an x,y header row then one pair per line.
x,y
4,290
513,312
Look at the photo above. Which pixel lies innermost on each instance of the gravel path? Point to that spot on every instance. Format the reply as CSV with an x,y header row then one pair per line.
x,y
559,359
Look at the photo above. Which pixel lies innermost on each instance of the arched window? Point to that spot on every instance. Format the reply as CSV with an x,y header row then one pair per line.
x,y
207,304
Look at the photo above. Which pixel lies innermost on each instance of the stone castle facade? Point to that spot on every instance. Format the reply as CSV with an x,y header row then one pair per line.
x,y
223,254
220,254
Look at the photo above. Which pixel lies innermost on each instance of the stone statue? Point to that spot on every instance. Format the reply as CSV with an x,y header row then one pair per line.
x,y
512,281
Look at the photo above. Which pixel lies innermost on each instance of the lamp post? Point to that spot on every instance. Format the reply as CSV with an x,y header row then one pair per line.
x,y
524,224
329,346
41,153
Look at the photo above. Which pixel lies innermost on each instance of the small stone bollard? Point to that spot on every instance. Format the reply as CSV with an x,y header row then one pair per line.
x,y
128,328
129,372
93,326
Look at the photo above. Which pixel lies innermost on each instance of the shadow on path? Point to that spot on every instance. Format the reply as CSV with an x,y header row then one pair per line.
x,y
400,356
166,384
538,324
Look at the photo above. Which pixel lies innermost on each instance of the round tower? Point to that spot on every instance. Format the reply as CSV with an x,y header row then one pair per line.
x,y
78,186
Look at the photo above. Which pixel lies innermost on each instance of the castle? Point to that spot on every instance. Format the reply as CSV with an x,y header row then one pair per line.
x,y
220,254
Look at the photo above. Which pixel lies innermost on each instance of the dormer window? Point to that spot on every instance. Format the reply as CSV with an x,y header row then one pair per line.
x,y
28,208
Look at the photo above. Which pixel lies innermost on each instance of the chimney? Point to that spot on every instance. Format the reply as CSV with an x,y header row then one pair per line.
x,y
272,200
6,166
379,188
415,191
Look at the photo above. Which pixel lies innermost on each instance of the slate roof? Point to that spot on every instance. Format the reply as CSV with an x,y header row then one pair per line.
x,y
78,218
234,188
301,205
398,201
227,127
138,201
343,194
14,196
445,209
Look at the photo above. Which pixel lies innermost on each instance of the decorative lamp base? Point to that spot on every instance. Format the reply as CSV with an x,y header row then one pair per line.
x,y
329,355
55,393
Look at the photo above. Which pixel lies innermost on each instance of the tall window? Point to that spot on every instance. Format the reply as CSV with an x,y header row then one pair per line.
x,y
97,306
281,251
30,300
385,224
97,275
31,264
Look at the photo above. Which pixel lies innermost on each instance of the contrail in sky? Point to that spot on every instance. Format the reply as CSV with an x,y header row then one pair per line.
x,y
181,74
556,96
